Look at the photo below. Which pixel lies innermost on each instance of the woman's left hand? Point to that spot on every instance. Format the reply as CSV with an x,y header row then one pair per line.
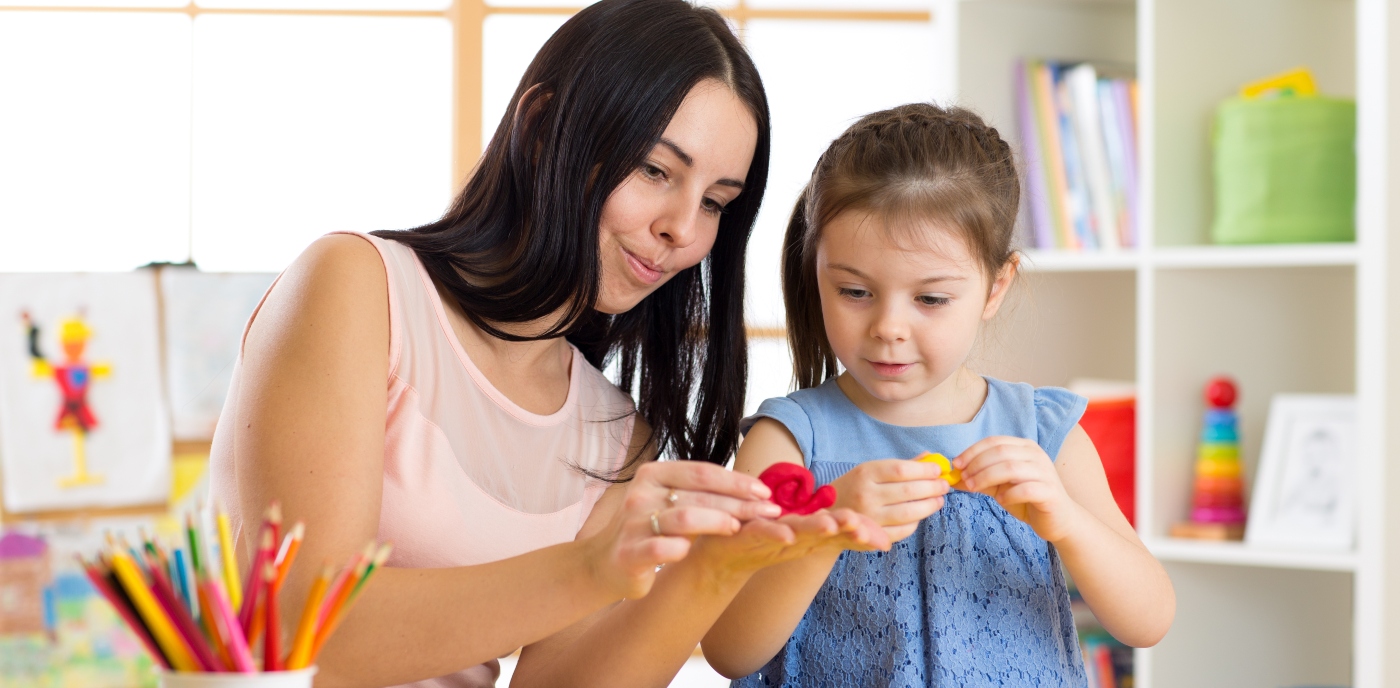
x,y
1021,477
762,542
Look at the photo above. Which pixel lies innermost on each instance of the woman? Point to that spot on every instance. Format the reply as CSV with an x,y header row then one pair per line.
x,y
439,388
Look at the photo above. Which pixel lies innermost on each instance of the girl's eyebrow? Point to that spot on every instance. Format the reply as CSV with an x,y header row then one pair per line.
x,y
927,280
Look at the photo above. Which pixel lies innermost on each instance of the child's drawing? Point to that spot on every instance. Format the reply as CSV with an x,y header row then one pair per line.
x,y
73,376
83,421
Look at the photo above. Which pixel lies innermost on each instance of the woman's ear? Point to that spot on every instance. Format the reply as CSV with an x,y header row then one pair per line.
x,y
1002,284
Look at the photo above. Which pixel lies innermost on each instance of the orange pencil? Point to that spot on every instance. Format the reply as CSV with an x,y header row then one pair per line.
x,y
342,586
338,612
300,654
210,624
272,644
289,551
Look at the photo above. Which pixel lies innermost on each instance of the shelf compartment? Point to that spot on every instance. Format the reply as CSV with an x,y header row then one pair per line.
x,y
1037,260
1241,554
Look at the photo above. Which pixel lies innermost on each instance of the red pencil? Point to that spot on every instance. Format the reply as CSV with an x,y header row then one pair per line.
x,y
254,586
272,643
123,607
184,623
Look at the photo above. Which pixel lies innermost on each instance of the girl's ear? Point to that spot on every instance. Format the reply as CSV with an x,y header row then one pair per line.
x,y
1002,284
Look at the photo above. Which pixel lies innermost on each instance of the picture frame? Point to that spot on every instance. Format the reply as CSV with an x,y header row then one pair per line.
x,y
1305,492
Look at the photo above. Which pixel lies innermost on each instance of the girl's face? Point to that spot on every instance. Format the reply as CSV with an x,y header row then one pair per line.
x,y
901,316
664,217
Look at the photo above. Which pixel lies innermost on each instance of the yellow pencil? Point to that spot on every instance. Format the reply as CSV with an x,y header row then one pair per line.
x,y
231,579
170,640
306,628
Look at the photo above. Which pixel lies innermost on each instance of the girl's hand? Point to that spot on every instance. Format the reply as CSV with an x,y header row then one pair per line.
x,y
762,543
894,493
682,500
1021,477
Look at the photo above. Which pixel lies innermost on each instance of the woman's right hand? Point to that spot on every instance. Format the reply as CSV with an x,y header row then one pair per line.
x,y
895,493
663,509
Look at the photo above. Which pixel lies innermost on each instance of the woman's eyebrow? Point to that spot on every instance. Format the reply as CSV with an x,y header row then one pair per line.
x,y
690,162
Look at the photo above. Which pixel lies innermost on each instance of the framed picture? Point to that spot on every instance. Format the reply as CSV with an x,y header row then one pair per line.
x,y
1305,494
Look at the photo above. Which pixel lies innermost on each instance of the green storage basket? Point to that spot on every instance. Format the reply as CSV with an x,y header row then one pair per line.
x,y
1285,170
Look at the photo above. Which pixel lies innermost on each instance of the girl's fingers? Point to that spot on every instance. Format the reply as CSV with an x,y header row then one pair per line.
x,y
901,470
1001,473
698,476
1024,493
962,461
909,512
910,491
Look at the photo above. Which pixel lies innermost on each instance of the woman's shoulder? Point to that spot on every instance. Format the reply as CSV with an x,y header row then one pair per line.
x,y
598,392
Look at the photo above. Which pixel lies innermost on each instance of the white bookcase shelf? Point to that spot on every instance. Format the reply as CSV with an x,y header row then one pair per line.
x,y
1173,313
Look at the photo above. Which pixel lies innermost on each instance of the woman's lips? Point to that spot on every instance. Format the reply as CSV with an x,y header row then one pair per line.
x,y
890,369
644,271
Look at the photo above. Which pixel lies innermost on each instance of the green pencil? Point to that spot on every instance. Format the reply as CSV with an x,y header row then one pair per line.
x,y
194,543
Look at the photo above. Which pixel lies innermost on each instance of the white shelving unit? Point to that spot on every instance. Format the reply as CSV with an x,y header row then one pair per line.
x,y
1178,310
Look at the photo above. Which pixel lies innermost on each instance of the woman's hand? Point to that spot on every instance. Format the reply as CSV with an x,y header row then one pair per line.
x,y
762,543
1021,477
894,493
666,506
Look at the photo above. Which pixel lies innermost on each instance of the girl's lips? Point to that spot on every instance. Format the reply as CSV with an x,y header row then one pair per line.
x,y
890,369
644,271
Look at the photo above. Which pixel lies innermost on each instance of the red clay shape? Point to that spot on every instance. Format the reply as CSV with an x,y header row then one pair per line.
x,y
792,489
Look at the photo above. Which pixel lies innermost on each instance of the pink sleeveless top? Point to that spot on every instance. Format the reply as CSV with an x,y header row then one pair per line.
x,y
469,476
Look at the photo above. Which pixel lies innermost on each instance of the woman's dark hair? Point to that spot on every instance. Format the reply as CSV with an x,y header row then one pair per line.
x,y
916,162
520,243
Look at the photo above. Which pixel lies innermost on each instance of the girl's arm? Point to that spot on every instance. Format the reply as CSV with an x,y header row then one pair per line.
x,y
311,404
1069,504
644,642
895,494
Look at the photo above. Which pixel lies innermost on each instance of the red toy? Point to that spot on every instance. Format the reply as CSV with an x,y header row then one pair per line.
x,y
792,487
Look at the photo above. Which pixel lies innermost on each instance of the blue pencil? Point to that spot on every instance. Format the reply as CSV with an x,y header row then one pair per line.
x,y
182,580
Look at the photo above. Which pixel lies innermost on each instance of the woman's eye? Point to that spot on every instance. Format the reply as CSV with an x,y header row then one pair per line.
x,y
934,300
712,207
852,293
653,172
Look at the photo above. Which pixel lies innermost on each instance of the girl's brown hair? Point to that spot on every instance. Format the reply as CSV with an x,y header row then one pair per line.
x,y
913,162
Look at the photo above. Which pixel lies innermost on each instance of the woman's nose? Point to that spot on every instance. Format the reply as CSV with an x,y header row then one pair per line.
x,y
677,225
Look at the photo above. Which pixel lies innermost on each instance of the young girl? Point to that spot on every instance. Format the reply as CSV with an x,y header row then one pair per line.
x,y
896,254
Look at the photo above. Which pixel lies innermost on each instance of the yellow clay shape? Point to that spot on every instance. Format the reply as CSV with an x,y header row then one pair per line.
x,y
952,475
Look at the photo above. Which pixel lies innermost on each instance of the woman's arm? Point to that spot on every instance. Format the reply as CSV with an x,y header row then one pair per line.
x,y
894,494
644,642
1069,504
311,407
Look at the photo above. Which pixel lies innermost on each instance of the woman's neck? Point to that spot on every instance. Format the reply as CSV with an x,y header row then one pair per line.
x,y
534,374
955,400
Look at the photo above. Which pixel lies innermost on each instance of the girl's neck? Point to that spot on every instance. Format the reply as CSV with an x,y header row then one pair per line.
x,y
955,400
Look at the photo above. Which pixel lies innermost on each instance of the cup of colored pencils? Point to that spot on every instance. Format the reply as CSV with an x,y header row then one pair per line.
x,y
204,624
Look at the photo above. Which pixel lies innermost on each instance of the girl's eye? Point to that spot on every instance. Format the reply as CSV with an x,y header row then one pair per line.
x,y
652,171
927,300
852,293
712,207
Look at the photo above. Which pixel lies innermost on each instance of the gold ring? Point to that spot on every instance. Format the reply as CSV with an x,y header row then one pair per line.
x,y
672,498
656,524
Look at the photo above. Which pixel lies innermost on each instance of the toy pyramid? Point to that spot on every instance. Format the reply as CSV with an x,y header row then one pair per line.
x,y
1217,502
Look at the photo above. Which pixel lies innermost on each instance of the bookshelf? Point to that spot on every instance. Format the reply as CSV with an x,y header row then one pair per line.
x,y
1282,318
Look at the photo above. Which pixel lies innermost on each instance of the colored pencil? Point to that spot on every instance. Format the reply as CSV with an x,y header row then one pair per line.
x,y
300,654
272,644
210,624
237,646
288,553
343,585
338,612
185,583
124,610
194,544
231,579
165,594
162,628
254,586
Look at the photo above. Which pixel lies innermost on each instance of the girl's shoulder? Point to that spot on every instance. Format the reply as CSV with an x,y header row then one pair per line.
x,y
801,412
1045,414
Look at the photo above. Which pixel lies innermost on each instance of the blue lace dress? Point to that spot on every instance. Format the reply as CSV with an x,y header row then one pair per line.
x,y
973,598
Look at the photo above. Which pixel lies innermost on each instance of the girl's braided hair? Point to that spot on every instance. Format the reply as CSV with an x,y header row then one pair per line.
x,y
913,166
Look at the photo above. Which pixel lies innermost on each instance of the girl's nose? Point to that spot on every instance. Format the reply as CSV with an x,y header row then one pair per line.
x,y
890,325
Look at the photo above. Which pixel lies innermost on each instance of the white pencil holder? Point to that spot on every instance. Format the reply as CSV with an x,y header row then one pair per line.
x,y
300,678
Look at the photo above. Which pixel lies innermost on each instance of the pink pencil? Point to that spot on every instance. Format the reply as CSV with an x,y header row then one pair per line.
x,y
237,645
165,594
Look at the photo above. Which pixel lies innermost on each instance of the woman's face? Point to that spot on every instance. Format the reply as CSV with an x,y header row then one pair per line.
x,y
664,217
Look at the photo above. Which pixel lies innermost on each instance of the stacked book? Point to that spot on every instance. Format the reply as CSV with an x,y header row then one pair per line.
x,y
1079,146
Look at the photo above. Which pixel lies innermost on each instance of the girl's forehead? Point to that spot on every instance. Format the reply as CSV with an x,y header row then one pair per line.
x,y
894,243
